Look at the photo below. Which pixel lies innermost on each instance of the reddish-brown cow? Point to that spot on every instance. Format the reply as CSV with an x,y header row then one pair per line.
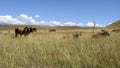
x,y
104,33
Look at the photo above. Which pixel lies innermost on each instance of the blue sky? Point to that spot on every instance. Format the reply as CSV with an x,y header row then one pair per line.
x,y
59,12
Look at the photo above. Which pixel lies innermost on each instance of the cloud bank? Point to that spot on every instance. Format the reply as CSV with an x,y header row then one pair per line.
x,y
24,19
91,24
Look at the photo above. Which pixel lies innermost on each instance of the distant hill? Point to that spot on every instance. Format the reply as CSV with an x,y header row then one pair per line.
x,y
115,24
12,27
67,27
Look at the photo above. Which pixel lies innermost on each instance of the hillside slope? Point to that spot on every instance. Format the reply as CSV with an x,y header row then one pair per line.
x,y
115,24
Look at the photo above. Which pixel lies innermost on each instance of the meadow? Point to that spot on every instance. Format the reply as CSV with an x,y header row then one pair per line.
x,y
44,49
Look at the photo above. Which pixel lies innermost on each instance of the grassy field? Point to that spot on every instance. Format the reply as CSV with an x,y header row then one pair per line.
x,y
43,49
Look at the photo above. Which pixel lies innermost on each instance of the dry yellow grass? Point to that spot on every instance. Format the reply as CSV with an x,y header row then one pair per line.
x,y
45,49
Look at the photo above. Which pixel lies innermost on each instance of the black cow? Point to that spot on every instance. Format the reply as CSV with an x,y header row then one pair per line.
x,y
32,29
52,30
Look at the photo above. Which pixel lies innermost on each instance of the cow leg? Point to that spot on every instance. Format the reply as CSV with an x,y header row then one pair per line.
x,y
20,34
16,34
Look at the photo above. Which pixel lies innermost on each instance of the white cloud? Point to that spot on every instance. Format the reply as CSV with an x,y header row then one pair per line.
x,y
50,23
9,20
91,24
23,17
109,23
98,25
79,24
55,23
70,24
28,20
43,23
37,16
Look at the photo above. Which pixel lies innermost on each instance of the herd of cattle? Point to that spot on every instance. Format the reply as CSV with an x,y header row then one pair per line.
x,y
27,30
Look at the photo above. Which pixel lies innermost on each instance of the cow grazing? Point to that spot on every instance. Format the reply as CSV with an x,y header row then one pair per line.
x,y
52,30
22,31
104,33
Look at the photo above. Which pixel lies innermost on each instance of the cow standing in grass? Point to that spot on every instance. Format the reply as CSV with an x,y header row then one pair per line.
x,y
24,31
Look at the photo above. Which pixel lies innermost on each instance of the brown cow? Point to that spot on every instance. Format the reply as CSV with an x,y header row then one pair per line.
x,y
116,30
104,33
22,31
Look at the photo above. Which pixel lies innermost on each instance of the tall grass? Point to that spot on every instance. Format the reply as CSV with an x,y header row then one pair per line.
x,y
43,49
